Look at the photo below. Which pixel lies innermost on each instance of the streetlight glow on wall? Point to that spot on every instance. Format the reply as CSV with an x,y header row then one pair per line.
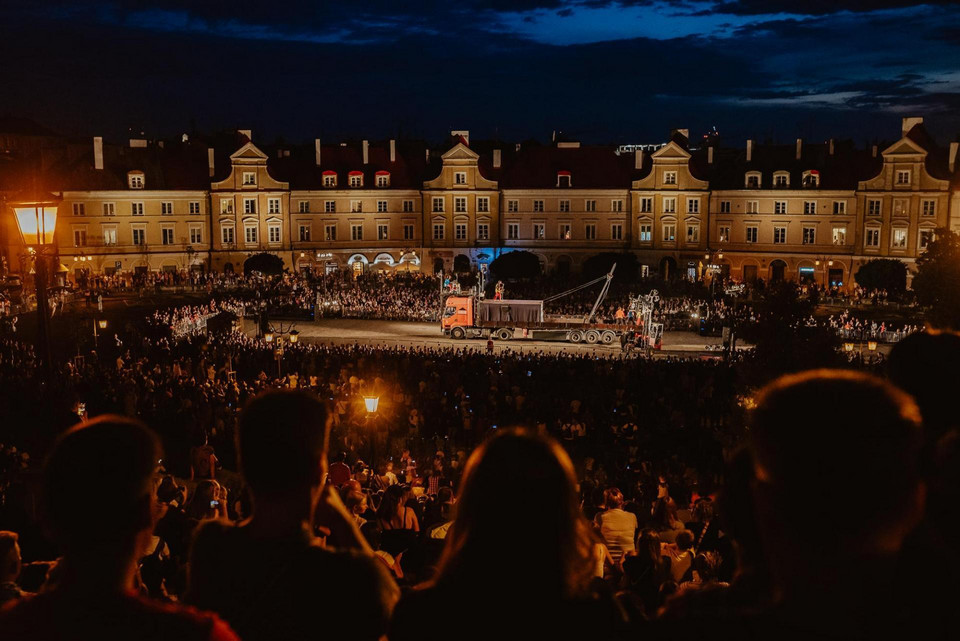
x,y
372,403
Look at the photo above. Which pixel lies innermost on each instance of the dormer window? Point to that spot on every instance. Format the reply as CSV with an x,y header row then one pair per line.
x,y
356,179
249,179
563,178
903,176
135,179
811,178
781,179
383,179
753,180
329,178
669,178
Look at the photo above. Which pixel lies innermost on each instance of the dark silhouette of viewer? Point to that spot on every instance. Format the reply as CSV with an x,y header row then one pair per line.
x,y
837,488
518,561
269,577
102,538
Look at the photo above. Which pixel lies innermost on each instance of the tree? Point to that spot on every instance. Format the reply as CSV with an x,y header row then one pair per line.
x,y
627,266
264,263
783,341
515,264
937,282
884,273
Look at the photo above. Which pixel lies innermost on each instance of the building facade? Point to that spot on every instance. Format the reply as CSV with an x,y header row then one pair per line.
x,y
812,212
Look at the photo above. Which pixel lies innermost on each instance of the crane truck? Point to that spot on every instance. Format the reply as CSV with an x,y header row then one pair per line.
x,y
471,316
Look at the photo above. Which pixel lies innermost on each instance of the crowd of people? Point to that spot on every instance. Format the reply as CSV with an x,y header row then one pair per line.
x,y
504,496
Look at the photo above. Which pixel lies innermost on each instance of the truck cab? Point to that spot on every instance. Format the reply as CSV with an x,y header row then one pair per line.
x,y
457,312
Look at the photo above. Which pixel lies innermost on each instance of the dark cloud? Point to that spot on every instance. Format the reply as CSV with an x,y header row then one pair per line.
x,y
816,7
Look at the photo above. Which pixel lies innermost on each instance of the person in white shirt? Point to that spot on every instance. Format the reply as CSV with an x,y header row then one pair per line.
x,y
617,527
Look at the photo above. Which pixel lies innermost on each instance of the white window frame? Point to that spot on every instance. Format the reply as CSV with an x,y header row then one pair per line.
x,y
273,206
839,236
249,205
928,204
781,232
460,233
249,179
747,178
538,205
513,231
193,207
483,204
195,233
439,231
109,209
753,207
483,231
251,227
669,205
226,205
109,235
590,231
590,205
646,233
135,180
382,207
874,207
166,208
839,208
301,227
383,180
751,230
383,231
809,207
646,204
809,235
141,231
563,205
223,234
616,205
408,206
329,206
539,231
693,205
513,206
901,206
783,176
460,178
356,231
616,231
902,177
669,177
136,208
303,207
669,232
330,232
460,204
356,206
79,209
438,204
921,233
871,233
724,206
168,232
565,231
780,207
693,234
355,181
893,237
330,180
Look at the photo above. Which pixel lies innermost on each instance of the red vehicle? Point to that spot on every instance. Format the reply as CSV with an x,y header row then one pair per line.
x,y
469,316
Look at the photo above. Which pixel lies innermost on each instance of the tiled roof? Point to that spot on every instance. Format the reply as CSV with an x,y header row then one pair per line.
x,y
300,169
590,167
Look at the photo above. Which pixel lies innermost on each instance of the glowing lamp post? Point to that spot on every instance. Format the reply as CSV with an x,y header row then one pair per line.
x,y
371,403
102,324
268,337
36,216
294,336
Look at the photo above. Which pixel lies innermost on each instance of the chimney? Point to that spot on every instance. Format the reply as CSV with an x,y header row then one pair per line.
x,y
428,154
497,159
638,159
710,155
952,163
316,150
279,153
98,152
910,123
393,150
749,150
831,146
210,164
366,152
799,148
246,132
875,151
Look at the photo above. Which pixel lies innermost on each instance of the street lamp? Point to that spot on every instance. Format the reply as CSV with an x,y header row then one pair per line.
x,y
268,336
294,336
371,403
36,215
102,324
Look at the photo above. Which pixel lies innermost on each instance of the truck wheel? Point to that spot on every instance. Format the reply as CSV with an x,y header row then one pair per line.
x,y
575,336
608,338
504,334
458,333
592,336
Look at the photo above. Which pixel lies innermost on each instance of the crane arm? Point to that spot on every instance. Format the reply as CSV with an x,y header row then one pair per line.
x,y
603,294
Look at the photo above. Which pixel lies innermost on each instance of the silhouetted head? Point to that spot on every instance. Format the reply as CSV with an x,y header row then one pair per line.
x,y
119,458
282,442
518,487
837,450
927,366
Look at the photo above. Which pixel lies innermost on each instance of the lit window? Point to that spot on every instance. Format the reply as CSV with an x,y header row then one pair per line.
x,y
669,178
226,206
899,239
839,235
646,233
565,231
383,231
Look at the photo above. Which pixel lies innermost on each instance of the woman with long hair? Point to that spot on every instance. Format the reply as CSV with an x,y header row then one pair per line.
x,y
518,562
398,522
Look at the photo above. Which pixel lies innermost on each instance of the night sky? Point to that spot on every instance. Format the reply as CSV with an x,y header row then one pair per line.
x,y
601,71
